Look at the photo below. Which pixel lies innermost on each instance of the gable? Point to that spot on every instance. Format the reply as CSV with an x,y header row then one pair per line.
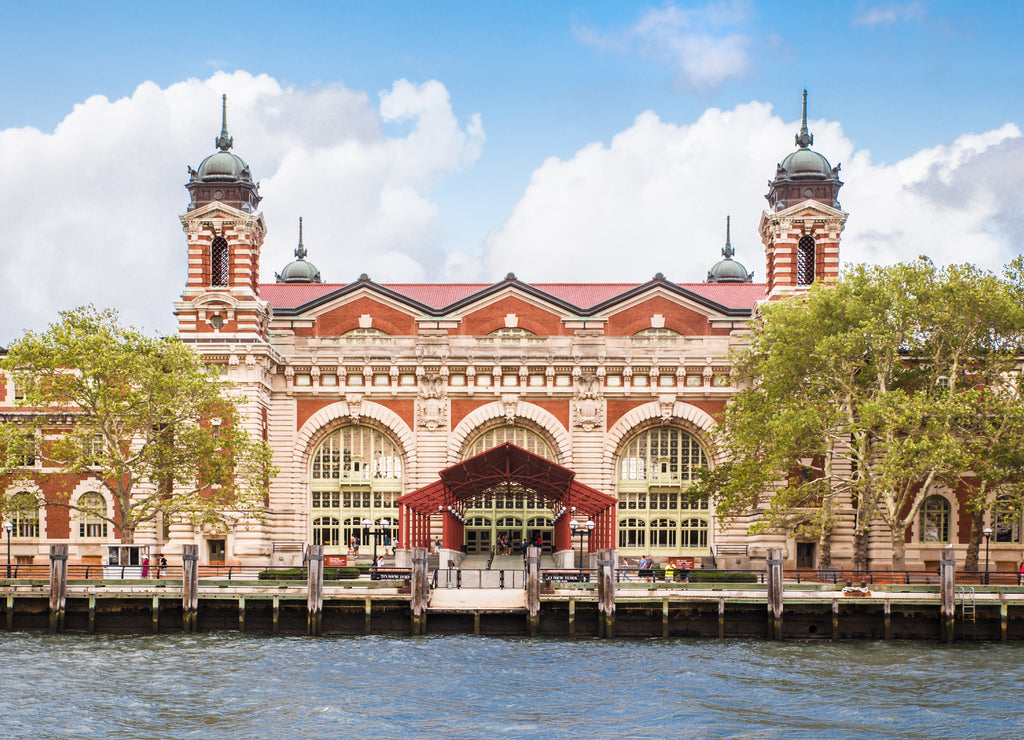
x,y
492,316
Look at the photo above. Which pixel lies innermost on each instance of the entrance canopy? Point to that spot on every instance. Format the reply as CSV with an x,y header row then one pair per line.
x,y
510,471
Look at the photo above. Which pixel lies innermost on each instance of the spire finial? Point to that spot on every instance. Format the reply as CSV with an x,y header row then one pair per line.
x,y
727,250
804,139
224,141
300,251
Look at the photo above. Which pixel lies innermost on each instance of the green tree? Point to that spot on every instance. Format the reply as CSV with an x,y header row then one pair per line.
x,y
139,414
862,391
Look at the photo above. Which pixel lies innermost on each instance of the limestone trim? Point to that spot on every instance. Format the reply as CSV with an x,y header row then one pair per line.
x,y
663,411
500,410
351,412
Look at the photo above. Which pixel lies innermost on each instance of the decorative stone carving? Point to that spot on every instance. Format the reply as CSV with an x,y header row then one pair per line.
x,y
587,405
432,403
666,405
510,402
352,407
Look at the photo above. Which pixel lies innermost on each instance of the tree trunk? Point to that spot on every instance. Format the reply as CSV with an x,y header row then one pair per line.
x,y
899,548
825,549
974,544
860,548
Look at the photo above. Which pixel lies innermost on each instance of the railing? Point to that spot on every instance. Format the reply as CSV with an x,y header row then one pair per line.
x,y
463,578
490,559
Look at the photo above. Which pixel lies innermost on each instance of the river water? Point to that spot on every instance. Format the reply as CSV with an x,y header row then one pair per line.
x,y
239,686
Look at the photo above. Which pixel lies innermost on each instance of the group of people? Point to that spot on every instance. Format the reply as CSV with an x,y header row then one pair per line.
x,y
504,544
645,568
160,569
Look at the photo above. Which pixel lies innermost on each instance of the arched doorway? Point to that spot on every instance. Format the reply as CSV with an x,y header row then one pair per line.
x,y
527,482
516,512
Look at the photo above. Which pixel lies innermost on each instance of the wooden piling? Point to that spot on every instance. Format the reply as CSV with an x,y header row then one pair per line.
x,y
476,623
664,616
775,593
10,612
420,587
572,616
1003,617
58,586
887,626
606,593
532,590
92,613
275,615
835,619
314,589
155,610
189,587
241,614
947,586
721,619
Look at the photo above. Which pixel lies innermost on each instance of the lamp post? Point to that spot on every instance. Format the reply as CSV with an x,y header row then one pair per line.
x,y
8,528
581,528
987,531
384,524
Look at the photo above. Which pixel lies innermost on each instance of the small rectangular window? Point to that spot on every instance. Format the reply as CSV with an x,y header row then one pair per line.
x,y
641,381
483,381
407,380
302,380
328,380
693,381
457,381
614,381
355,379
380,380
562,381
509,381
537,381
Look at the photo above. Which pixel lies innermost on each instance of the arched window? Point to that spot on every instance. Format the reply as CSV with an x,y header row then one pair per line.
x,y
91,508
512,332
24,515
219,262
632,533
356,473
695,533
325,531
655,335
655,468
528,439
805,258
935,519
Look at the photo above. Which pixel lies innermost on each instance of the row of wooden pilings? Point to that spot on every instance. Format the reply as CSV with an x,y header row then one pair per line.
x,y
420,590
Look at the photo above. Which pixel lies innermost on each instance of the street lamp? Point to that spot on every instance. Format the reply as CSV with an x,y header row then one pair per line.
x,y
8,528
384,524
987,531
581,528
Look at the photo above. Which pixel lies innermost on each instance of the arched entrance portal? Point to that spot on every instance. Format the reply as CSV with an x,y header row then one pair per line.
x,y
519,477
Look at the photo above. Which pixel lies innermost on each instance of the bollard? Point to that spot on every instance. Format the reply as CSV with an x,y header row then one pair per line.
x,y
190,587
775,594
314,589
532,590
420,588
606,593
58,586
947,585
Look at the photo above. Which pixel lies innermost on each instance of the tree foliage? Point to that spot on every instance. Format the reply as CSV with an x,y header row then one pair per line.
x,y
138,414
879,389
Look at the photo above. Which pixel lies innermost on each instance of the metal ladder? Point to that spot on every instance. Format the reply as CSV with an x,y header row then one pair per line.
x,y
967,608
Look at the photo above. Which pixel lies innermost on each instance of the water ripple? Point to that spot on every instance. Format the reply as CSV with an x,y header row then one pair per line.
x,y
239,686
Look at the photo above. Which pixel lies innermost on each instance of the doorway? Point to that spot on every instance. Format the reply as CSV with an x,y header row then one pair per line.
x,y
805,554
217,550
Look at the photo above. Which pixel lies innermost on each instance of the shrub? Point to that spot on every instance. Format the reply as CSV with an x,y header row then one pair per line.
x,y
722,576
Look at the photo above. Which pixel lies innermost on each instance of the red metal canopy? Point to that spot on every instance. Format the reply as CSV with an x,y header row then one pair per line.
x,y
505,470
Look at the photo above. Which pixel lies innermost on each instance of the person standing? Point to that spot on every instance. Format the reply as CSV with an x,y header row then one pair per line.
x,y
145,567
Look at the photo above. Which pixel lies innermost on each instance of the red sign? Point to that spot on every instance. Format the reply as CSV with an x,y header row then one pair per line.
x,y
335,561
682,563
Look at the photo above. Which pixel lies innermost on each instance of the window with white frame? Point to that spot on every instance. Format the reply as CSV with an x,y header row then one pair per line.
x,y
23,513
935,513
91,509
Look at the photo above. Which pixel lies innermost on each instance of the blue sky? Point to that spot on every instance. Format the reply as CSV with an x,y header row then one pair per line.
x,y
524,130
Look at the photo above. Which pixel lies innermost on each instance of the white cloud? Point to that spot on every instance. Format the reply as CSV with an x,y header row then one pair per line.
x,y
889,13
90,210
702,44
655,200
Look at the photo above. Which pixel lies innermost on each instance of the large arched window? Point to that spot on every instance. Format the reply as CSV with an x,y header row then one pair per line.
x,y
805,258
935,519
23,513
91,509
219,262
655,468
356,473
523,437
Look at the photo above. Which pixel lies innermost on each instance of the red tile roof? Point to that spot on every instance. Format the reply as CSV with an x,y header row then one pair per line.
x,y
582,295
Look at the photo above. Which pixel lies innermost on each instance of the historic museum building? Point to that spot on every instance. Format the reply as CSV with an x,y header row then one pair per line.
x,y
479,413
